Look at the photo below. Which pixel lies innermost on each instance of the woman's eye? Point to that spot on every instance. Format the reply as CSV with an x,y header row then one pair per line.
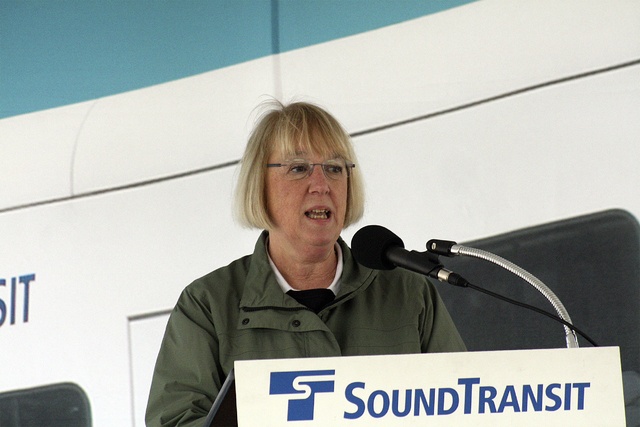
x,y
298,168
333,169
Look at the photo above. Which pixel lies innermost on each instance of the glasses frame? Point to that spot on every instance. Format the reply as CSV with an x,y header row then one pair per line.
x,y
347,165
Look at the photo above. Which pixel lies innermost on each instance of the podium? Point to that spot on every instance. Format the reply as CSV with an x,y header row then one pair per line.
x,y
550,387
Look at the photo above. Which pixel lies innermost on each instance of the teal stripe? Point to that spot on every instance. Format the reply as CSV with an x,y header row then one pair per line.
x,y
59,52
304,23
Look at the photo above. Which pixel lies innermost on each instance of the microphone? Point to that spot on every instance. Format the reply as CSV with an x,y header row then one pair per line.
x,y
379,248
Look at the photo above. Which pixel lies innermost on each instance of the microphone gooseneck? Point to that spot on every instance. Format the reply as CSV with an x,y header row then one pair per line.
x,y
451,248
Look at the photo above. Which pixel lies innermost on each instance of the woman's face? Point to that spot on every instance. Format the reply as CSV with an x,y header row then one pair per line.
x,y
307,213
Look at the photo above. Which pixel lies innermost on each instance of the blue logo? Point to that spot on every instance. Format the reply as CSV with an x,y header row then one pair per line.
x,y
303,385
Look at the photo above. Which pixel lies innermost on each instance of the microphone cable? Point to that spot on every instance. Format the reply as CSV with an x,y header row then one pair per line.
x,y
466,284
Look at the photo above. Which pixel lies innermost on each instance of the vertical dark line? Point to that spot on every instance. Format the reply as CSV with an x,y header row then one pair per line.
x,y
275,48
275,27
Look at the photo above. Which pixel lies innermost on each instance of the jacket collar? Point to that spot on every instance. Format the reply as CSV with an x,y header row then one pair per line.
x,y
261,289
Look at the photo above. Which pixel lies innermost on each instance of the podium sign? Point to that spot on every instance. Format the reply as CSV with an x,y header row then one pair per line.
x,y
555,387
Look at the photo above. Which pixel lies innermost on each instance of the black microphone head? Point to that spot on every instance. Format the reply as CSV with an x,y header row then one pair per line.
x,y
370,244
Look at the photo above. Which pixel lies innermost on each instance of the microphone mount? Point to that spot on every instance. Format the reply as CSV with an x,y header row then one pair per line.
x,y
426,263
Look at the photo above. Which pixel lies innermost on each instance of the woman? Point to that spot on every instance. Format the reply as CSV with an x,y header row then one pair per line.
x,y
301,293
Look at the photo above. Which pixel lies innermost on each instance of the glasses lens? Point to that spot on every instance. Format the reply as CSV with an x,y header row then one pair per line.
x,y
298,170
333,169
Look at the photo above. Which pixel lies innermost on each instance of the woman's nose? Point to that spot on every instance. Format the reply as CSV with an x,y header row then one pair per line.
x,y
318,180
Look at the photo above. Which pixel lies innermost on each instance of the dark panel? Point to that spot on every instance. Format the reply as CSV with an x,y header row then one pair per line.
x,y
592,263
56,405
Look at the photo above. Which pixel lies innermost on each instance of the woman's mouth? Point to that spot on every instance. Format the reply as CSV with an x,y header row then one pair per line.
x,y
318,214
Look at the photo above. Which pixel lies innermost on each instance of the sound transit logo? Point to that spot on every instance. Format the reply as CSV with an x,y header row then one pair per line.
x,y
303,385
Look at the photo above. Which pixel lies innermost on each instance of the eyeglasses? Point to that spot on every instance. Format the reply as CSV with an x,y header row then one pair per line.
x,y
299,169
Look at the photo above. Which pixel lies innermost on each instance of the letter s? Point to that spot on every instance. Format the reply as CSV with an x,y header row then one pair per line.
x,y
348,393
554,397
3,306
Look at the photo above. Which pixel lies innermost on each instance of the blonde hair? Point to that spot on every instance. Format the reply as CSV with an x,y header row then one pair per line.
x,y
287,129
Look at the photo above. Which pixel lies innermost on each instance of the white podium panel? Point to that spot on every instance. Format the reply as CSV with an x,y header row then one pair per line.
x,y
556,387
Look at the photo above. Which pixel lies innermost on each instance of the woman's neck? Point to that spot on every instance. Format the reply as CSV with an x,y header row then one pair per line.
x,y
305,270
